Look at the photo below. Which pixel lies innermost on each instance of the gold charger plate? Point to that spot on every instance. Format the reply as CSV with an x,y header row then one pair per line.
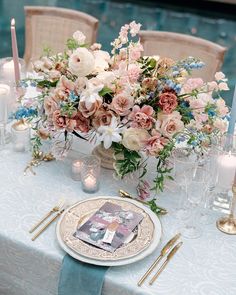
x,y
81,211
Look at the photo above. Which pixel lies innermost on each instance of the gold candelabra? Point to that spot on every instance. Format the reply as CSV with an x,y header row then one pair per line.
x,y
228,224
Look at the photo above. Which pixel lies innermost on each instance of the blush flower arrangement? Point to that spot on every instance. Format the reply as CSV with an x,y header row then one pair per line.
x,y
134,104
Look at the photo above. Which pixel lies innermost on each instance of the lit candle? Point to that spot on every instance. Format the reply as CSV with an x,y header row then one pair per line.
x,y
4,95
15,51
76,170
232,115
8,71
226,170
20,136
90,184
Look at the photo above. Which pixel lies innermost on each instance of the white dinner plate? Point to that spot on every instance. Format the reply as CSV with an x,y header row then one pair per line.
x,y
155,241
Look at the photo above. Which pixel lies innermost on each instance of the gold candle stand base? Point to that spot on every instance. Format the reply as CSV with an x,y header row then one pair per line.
x,y
227,225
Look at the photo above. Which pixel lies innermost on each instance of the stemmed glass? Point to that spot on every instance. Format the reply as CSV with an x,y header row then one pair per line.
x,y
196,191
185,162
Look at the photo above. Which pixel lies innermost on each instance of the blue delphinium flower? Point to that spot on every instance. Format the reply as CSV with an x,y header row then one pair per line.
x,y
72,96
211,113
24,112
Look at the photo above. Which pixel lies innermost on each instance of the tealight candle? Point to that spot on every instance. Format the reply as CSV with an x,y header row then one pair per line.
x,y
90,174
226,170
20,136
76,170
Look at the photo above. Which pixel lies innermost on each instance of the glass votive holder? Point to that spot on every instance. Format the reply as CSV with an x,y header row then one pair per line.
x,y
224,166
90,174
76,169
7,72
4,98
20,132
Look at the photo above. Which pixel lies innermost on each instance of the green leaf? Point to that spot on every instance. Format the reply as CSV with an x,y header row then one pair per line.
x,y
105,90
46,84
72,44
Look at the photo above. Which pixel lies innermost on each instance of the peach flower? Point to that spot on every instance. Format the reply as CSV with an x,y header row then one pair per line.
x,y
168,102
155,144
102,118
122,103
59,121
50,105
82,123
221,125
169,124
88,111
142,118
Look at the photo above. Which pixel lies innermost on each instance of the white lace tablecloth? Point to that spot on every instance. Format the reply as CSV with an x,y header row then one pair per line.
x,y
204,266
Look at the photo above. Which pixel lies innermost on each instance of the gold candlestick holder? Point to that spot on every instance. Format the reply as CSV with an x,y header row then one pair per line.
x,y
228,224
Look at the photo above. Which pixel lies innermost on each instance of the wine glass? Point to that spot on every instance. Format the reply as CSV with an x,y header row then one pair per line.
x,y
185,162
196,191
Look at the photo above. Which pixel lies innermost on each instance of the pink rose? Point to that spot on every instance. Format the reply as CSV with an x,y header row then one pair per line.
x,y
89,111
191,84
122,103
102,118
155,143
50,105
142,118
168,102
169,124
82,123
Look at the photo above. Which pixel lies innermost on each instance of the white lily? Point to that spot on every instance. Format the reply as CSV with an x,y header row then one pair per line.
x,y
91,94
109,134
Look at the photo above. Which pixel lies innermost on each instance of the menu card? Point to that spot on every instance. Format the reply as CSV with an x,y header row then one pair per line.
x,y
108,227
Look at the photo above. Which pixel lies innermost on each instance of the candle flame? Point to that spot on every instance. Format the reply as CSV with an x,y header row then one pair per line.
x,y
13,22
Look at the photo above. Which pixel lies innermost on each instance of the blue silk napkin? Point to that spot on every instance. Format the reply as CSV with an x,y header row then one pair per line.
x,y
79,278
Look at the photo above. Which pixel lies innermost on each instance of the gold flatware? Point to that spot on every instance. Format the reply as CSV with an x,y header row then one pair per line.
x,y
169,256
164,251
53,210
47,224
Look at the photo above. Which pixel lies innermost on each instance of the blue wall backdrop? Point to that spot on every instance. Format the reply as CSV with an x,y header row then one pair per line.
x,y
113,14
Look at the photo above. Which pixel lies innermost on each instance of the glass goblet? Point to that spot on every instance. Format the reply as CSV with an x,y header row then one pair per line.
x,y
195,193
184,167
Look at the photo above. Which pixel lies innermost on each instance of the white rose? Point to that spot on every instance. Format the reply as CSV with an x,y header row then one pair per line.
x,y
79,37
169,124
134,138
81,62
102,59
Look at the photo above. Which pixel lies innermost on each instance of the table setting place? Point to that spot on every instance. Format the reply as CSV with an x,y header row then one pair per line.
x,y
118,173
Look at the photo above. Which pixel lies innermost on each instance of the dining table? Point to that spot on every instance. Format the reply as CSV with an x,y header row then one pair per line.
x,y
202,266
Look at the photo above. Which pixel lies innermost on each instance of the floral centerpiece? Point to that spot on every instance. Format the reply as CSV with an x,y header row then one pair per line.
x,y
132,103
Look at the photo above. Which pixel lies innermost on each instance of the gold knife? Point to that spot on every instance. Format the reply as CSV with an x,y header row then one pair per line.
x,y
164,251
169,256
47,224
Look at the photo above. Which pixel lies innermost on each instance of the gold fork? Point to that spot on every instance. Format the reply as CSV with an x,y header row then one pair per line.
x,y
57,208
